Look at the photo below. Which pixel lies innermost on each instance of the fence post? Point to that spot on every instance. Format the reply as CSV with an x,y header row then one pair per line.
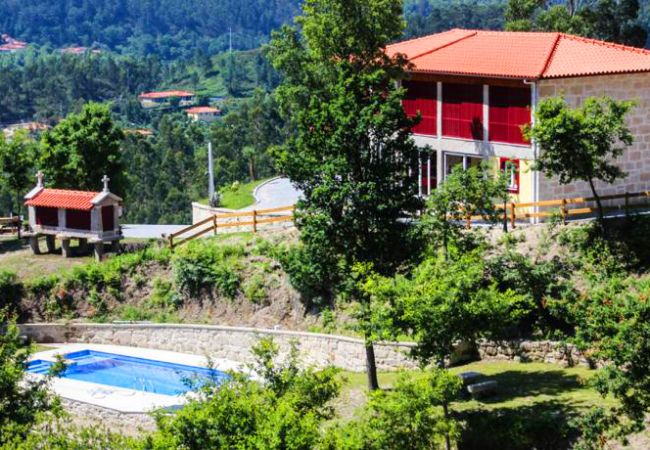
x,y
468,219
214,224
563,211
254,221
171,241
513,215
627,204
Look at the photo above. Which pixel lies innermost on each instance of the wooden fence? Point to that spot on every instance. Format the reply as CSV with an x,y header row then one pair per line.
x,y
566,207
12,224
232,220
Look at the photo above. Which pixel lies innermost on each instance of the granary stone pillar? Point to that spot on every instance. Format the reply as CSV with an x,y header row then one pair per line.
x,y
99,250
51,244
33,244
66,250
83,246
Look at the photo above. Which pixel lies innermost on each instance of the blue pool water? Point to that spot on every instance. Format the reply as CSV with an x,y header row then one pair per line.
x,y
130,372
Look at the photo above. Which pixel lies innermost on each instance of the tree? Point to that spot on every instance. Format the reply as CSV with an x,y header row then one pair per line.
x,y
16,165
283,411
580,143
23,401
414,415
463,194
351,153
83,148
608,20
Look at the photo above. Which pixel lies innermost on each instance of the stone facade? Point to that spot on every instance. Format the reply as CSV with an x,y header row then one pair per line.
x,y
317,349
636,159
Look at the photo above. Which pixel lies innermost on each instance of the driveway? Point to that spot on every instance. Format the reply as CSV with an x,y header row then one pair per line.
x,y
274,193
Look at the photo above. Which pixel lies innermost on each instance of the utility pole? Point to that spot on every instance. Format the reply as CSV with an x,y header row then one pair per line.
x,y
210,174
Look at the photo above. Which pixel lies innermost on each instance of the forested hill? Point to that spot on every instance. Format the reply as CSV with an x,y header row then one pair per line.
x,y
177,29
168,28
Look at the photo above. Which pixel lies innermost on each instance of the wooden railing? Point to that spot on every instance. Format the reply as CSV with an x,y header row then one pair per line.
x,y
11,223
567,207
231,220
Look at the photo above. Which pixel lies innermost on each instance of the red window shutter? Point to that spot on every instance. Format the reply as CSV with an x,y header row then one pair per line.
x,y
108,218
421,97
462,110
48,217
77,220
511,167
509,111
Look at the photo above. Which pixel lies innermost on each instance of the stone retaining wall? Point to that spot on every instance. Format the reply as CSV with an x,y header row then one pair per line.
x,y
130,424
317,349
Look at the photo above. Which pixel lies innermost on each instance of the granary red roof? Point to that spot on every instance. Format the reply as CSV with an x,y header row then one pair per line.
x,y
167,94
202,109
522,55
61,198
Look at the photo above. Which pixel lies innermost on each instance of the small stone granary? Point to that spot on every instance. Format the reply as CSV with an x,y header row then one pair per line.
x,y
89,217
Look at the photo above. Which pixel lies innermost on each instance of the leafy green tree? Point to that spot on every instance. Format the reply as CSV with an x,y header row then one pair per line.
x,y
463,194
463,304
284,411
581,143
351,150
16,166
414,415
23,401
609,20
83,148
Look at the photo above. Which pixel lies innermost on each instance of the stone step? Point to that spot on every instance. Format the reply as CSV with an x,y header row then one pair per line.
x,y
482,389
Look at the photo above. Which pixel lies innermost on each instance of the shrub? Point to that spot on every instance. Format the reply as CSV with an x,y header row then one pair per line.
x,y
11,291
255,289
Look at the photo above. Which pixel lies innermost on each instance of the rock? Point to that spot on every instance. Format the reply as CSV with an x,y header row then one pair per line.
x,y
482,389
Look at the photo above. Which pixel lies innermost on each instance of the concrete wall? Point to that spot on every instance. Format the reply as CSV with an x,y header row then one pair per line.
x,y
636,159
317,349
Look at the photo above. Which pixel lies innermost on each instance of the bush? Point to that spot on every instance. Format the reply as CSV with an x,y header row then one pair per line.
x,y
11,291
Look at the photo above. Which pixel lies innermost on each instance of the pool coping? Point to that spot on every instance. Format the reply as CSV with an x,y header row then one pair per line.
x,y
123,400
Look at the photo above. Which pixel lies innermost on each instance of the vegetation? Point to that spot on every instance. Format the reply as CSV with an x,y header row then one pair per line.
x,y
614,21
16,163
582,143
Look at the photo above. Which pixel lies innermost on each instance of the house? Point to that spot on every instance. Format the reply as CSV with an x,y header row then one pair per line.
x,y
203,113
165,98
33,129
79,51
89,217
11,45
476,89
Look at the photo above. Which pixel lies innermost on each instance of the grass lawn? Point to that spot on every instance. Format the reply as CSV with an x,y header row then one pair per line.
x,y
16,256
238,198
521,385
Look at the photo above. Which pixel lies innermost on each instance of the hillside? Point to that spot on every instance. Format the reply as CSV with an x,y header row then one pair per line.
x,y
168,28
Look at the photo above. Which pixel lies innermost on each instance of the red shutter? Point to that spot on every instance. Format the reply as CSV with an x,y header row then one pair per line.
x,y
421,97
47,216
462,110
509,111
108,218
77,220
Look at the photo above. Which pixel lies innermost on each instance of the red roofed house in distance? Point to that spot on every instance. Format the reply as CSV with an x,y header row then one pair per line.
x,y
203,113
89,217
476,89
164,98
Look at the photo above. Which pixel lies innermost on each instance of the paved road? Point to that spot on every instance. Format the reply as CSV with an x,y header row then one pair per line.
x,y
272,194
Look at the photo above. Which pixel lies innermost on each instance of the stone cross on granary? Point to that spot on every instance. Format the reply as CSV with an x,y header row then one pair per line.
x,y
39,178
105,180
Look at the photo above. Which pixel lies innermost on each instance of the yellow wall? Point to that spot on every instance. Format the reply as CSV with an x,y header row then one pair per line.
x,y
525,194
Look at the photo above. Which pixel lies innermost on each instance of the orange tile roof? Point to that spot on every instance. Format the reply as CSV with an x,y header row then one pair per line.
x,y
166,94
522,55
61,198
202,109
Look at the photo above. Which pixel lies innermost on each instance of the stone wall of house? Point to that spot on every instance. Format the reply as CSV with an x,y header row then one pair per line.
x,y
317,349
636,160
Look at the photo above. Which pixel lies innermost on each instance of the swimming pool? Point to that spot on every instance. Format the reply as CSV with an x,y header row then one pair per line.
x,y
130,372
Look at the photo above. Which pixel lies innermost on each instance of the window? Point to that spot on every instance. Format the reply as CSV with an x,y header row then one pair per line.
x,y
462,111
421,97
511,169
463,161
509,111
428,180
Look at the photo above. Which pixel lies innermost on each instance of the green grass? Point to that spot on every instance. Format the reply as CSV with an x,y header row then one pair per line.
x,y
521,385
239,197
